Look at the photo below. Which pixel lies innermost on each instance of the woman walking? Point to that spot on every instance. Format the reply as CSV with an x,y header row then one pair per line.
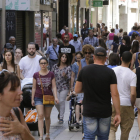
x,y
9,63
62,72
44,84
110,38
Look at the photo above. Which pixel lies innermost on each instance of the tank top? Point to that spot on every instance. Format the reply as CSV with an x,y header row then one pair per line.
x,y
111,36
138,82
136,61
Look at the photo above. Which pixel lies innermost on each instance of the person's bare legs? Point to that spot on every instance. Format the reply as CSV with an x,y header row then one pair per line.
x,y
40,111
77,113
139,121
47,119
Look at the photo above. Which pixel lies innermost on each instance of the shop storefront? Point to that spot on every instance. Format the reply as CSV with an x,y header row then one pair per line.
x,y
19,14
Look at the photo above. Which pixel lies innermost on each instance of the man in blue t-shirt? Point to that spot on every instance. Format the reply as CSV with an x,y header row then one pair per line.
x,y
134,29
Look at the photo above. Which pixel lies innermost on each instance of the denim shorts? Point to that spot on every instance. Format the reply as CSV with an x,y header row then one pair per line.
x,y
39,101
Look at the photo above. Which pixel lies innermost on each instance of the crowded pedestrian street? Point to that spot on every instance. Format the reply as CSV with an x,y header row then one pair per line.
x,y
69,69
59,132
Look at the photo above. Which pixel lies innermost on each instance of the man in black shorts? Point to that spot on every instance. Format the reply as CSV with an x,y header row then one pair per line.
x,y
97,81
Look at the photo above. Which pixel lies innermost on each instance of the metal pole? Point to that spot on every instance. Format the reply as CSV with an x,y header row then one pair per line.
x,y
112,13
41,30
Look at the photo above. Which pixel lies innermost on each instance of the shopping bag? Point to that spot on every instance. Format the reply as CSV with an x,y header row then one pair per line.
x,y
31,116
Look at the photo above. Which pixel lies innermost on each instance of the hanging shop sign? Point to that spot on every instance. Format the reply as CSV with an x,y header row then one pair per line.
x,y
23,5
0,4
97,4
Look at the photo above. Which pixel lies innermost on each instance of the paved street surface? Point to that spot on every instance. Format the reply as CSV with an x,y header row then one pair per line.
x,y
61,132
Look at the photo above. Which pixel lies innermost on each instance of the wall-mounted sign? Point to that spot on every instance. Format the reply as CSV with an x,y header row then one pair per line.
x,y
23,5
0,4
97,4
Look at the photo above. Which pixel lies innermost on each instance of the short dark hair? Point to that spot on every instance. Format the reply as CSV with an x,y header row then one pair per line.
x,y
58,35
121,30
43,58
80,54
59,59
31,43
134,28
126,56
124,33
5,78
114,59
112,30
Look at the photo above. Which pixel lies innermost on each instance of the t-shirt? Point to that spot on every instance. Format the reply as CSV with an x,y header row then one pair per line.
x,y
46,82
96,81
29,66
67,49
125,79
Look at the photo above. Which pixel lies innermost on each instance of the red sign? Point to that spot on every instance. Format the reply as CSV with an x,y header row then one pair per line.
x,y
134,0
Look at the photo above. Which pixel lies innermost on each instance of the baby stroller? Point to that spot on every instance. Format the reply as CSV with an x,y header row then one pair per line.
x,y
26,87
72,116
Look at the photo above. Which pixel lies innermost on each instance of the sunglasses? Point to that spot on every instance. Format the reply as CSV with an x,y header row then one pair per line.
x,y
43,63
87,52
4,70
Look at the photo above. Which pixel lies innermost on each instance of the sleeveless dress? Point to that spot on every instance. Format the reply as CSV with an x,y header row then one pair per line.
x,y
13,137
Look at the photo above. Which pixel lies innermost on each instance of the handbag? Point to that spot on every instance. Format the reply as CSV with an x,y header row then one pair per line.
x,y
47,99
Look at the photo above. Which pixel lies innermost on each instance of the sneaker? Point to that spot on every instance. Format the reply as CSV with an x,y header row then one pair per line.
x,y
77,125
61,121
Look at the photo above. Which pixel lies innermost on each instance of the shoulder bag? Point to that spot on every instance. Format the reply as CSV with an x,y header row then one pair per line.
x,y
47,99
55,52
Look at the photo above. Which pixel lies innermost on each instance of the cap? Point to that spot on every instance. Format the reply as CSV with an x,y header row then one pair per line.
x,y
100,51
75,35
8,46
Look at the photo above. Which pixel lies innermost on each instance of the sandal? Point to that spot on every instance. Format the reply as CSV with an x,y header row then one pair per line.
x,y
41,138
47,136
61,121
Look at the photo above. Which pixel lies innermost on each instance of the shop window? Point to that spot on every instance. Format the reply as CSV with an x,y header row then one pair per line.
x,y
133,10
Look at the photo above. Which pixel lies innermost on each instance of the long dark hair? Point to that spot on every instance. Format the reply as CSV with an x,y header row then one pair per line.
x,y
135,46
59,59
12,61
134,35
102,43
116,39
127,40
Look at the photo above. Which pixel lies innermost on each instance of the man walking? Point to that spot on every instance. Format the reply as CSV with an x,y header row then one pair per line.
x,y
84,31
30,63
126,80
91,39
68,48
76,43
97,81
52,53
117,29
67,32
12,40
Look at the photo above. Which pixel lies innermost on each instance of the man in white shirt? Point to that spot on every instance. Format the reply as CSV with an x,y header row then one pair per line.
x,y
76,43
63,30
117,29
30,63
126,83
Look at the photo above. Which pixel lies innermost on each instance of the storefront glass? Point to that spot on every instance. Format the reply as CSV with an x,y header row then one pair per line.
x,y
38,28
73,18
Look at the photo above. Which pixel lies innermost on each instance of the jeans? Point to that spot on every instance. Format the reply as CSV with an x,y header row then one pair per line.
x,y
93,127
